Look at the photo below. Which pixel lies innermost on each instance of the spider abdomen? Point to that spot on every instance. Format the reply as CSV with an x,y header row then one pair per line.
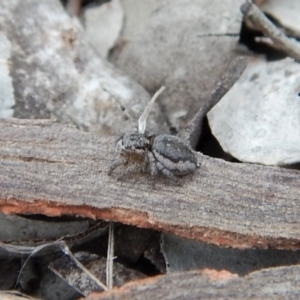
x,y
174,154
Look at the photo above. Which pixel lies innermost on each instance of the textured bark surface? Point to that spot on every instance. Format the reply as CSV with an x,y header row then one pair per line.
x,y
277,283
53,169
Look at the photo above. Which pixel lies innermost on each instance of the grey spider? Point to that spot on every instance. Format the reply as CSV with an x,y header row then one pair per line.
x,y
162,153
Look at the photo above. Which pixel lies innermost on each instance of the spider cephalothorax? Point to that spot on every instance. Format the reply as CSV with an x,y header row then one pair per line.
x,y
163,153
131,151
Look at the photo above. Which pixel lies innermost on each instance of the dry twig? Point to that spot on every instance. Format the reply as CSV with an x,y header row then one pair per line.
x,y
110,256
192,131
252,13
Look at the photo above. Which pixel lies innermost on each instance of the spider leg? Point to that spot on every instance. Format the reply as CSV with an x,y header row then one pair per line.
x,y
167,173
129,169
152,164
157,167
116,162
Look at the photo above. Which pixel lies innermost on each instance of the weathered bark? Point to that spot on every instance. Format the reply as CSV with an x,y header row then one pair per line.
x,y
277,283
54,169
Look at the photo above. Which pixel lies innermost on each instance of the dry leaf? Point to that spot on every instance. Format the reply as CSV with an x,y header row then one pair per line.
x,y
57,73
103,25
184,45
185,255
7,99
257,121
20,229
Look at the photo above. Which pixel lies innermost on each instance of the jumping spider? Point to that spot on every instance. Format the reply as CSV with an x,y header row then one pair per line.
x,y
162,153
